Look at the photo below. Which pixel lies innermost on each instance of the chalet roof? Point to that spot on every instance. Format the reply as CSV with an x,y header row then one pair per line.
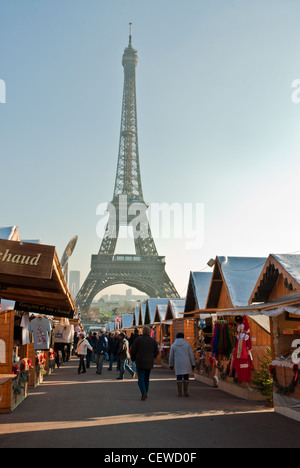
x,y
42,290
9,233
291,263
286,264
160,313
136,315
198,289
175,309
127,321
151,305
143,312
240,275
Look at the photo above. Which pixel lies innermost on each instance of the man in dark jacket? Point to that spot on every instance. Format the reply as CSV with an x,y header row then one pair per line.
x,y
113,351
133,337
143,352
101,349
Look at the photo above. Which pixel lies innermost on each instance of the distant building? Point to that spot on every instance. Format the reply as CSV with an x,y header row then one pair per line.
x,y
122,299
129,294
74,283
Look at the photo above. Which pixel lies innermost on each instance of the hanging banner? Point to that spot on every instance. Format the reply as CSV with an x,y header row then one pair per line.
x,y
26,259
44,310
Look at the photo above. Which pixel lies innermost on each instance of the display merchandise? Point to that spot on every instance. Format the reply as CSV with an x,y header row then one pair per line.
x,y
25,329
242,358
41,328
221,342
63,334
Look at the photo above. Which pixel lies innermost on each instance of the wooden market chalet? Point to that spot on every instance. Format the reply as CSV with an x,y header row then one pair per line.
x,y
33,291
262,293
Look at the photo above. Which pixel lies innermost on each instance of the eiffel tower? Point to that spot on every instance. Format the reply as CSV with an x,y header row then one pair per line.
x,y
146,269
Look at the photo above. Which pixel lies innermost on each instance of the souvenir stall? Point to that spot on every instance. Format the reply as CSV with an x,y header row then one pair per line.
x,y
198,327
278,293
205,365
63,338
160,315
232,350
174,313
165,339
159,333
138,317
8,362
285,366
232,283
31,277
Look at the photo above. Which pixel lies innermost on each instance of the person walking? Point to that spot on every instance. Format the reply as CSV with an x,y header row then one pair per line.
x,y
183,359
132,339
143,352
82,346
89,352
123,353
93,342
113,351
101,349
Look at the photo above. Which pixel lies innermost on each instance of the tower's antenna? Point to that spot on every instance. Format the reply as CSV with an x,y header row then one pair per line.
x,y
130,33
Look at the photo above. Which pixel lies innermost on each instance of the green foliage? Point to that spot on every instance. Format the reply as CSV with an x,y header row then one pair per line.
x,y
262,379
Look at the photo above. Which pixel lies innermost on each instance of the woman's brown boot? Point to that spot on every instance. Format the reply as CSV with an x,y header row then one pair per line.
x,y
179,388
186,388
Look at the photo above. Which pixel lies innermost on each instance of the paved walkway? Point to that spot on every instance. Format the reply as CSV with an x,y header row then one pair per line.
x,y
91,411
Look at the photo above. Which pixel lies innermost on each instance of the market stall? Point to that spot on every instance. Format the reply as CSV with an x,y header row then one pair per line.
x,y
165,339
278,294
31,277
199,327
205,364
232,283
159,331
174,313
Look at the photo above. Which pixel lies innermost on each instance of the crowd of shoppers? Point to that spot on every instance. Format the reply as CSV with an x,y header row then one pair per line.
x,y
141,350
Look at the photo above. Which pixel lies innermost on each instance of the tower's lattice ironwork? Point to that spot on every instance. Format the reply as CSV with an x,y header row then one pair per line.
x,y
146,269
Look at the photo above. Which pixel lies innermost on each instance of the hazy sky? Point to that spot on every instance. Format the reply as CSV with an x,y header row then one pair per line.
x,y
216,121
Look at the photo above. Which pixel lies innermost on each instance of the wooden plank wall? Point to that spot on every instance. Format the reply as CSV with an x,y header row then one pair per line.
x,y
260,340
189,332
7,336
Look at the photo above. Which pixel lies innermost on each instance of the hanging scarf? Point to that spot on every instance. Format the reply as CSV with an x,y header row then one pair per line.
x,y
221,342
215,341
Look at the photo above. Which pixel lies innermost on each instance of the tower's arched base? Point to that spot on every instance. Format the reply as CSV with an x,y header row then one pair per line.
x,y
145,274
